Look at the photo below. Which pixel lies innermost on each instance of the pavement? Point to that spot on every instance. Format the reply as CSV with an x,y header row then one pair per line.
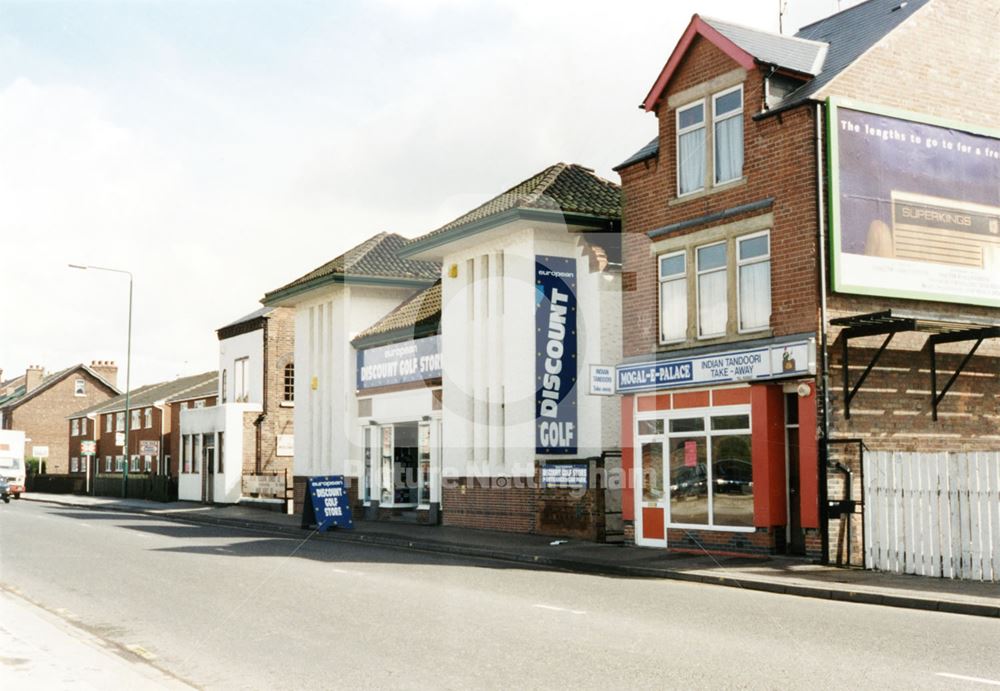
x,y
41,650
767,574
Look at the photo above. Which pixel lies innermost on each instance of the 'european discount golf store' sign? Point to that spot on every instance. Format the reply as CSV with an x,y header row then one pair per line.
x,y
767,362
400,363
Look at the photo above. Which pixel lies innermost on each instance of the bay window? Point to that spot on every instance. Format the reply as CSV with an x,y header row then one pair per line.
x,y
727,119
691,148
713,305
754,284
673,297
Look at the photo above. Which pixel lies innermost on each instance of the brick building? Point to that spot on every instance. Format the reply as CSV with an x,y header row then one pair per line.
x,y
234,451
150,427
744,295
38,404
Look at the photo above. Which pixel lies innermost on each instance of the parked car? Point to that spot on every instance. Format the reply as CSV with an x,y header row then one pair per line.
x,y
5,490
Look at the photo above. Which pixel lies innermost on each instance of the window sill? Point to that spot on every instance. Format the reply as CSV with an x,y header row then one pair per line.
x,y
708,191
716,528
701,342
286,404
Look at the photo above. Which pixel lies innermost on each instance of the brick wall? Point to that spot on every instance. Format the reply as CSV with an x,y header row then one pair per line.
x,y
43,417
779,162
488,503
279,350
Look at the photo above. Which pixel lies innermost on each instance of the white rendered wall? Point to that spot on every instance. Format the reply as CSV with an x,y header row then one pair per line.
x,y
226,418
489,357
327,436
250,345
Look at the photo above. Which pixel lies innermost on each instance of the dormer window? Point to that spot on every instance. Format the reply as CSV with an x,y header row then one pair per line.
x,y
691,148
727,116
722,153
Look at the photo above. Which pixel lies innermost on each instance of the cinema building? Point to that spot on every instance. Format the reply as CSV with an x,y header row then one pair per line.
x,y
530,304
816,220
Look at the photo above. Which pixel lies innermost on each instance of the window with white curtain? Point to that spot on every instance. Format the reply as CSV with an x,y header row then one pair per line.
x,y
691,148
673,297
712,303
727,118
754,285
74,428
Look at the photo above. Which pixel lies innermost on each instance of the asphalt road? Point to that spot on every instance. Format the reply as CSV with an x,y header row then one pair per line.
x,y
224,608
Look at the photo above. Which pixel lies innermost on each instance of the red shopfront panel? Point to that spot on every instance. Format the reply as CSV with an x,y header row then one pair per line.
x,y
628,459
808,461
652,523
768,450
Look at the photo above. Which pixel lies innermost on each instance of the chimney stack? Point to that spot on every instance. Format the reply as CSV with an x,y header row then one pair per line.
x,y
33,377
107,369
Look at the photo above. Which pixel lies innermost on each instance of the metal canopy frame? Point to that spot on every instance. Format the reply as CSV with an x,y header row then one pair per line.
x,y
888,323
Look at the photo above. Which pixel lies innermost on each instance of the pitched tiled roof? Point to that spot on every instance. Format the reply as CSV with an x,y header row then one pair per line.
x,y
20,395
419,313
648,151
850,34
256,314
564,187
209,387
376,257
791,52
846,35
151,393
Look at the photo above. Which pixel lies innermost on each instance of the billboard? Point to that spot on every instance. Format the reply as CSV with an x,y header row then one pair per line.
x,y
555,355
914,206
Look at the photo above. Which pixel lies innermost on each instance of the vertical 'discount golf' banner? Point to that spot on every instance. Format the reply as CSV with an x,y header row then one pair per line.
x,y
555,355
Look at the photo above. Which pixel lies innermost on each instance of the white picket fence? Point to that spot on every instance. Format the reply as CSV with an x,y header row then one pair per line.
x,y
933,514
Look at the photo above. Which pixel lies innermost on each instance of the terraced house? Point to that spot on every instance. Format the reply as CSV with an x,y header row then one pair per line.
x,y
812,294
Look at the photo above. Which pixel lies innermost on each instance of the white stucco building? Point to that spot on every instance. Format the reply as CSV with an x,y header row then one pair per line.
x,y
530,300
333,304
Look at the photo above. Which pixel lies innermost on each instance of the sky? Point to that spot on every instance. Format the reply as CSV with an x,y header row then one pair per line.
x,y
218,149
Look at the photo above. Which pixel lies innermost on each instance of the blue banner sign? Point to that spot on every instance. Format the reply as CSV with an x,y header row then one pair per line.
x,y
768,362
555,355
399,363
564,475
327,504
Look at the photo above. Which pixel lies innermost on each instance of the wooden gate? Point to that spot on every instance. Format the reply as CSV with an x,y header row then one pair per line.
x,y
933,514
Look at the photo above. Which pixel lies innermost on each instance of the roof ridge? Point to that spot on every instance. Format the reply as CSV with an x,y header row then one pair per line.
x,y
775,34
548,178
357,253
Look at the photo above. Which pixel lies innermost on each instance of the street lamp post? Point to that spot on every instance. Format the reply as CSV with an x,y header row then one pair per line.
x,y
128,365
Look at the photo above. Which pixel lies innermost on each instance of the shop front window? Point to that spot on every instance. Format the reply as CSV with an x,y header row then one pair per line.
x,y
424,460
706,479
366,484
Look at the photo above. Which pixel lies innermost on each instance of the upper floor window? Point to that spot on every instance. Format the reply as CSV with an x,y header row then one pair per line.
x,y
120,422
79,388
107,423
83,426
691,148
241,392
754,267
225,381
673,297
74,428
289,383
135,418
727,117
713,306
725,151
735,270
148,415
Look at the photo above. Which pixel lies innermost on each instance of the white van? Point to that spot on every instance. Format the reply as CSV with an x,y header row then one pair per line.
x,y
12,460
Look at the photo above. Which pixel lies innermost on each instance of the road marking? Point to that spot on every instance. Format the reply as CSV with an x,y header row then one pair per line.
x,y
224,549
137,649
974,680
560,609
